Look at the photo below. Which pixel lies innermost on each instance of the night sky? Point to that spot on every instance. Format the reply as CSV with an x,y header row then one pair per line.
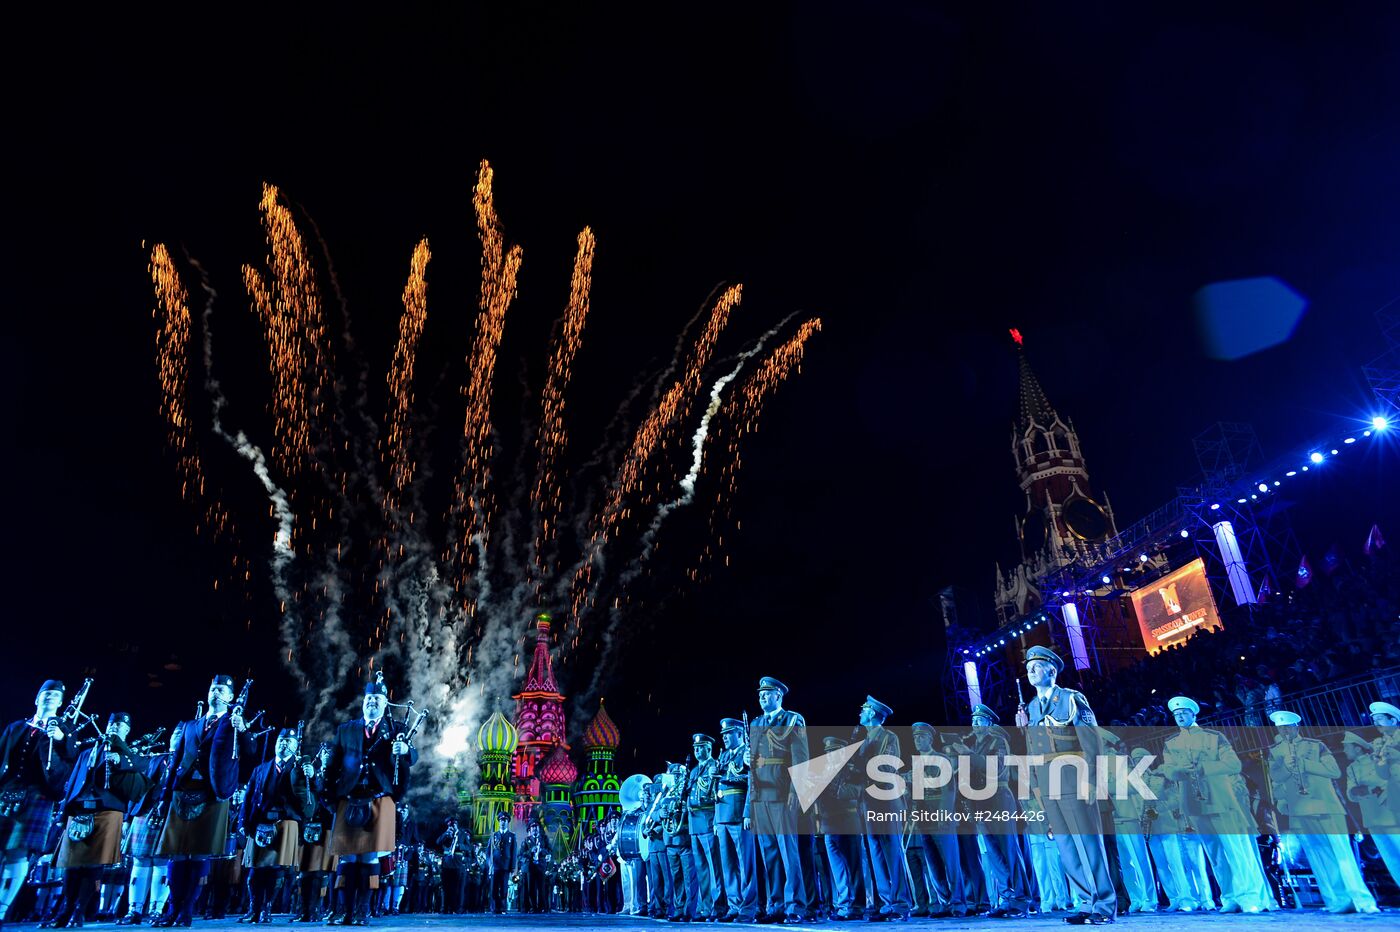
x,y
922,180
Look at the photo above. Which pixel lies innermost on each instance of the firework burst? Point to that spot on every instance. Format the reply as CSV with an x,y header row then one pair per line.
x,y
362,580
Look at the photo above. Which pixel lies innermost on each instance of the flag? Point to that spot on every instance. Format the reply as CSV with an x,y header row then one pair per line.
x,y
1374,541
1304,573
1331,560
1265,590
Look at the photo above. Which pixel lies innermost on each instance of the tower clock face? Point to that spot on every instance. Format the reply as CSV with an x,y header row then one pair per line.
x,y
1034,532
1085,519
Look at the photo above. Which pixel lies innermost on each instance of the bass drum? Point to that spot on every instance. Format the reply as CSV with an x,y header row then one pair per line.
x,y
632,844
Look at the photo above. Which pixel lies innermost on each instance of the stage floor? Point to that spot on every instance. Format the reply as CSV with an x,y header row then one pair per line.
x,y
1298,921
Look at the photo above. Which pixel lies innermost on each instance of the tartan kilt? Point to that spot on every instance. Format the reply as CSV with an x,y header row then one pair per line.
x,y
30,828
378,835
283,852
144,836
318,857
99,849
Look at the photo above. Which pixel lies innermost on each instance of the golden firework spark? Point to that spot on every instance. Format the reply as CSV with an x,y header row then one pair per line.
x,y
415,314
553,437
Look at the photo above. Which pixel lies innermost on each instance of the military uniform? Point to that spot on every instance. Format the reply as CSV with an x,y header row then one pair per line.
x,y
1130,835
702,787
1301,771
1180,858
659,895
933,846
1045,861
1007,887
889,872
1206,767
839,825
778,741
680,863
1368,789
500,862
1062,724
736,846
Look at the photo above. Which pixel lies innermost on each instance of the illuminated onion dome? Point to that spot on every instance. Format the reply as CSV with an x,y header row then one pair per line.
x,y
557,769
601,732
497,735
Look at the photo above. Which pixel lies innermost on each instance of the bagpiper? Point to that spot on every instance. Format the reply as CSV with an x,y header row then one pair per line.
x,y
278,800
104,782
368,770
35,756
195,800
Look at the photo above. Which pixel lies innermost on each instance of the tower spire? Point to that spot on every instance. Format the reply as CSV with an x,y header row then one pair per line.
x,y
1035,407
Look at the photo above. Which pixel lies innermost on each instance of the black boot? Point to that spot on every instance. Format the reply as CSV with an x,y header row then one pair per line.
x,y
178,879
350,892
309,884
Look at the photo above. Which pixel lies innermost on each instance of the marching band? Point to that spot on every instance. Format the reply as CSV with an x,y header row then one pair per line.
x,y
719,838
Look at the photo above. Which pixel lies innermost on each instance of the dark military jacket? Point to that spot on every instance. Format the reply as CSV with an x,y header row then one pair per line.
x,y
89,788
733,786
362,766
274,795
777,742
25,761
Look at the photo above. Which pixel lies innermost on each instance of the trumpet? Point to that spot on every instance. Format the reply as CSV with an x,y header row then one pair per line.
x,y
1194,775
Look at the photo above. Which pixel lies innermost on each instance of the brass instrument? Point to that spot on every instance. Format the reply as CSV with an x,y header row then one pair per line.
x,y
1295,767
673,802
1194,775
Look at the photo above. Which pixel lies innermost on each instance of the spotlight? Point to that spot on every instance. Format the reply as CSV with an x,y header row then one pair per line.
x,y
1379,423
1028,627
1305,469
1214,507
1242,501
1334,452
1255,497
1276,482
1001,643
1066,594
1142,558
1107,581
1291,473
1185,533
1349,440
1263,487
1317,457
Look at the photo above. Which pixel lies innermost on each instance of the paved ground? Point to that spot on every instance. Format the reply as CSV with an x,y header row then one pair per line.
x,y
1305,921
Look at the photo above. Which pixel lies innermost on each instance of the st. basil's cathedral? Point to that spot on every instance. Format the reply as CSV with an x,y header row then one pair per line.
x,y
525,765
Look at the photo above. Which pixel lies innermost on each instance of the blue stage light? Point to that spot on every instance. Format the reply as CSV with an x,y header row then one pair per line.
x,y
1255,497
1263,487
1142,558
1213,507
1066,594
1276,482
1334,452
1349,440
1241,501
1317,457
1107,581
1291,473
1379,423
1305,469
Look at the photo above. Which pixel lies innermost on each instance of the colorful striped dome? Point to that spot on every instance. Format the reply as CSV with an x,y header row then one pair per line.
x,y
601,732
557,768
497,734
